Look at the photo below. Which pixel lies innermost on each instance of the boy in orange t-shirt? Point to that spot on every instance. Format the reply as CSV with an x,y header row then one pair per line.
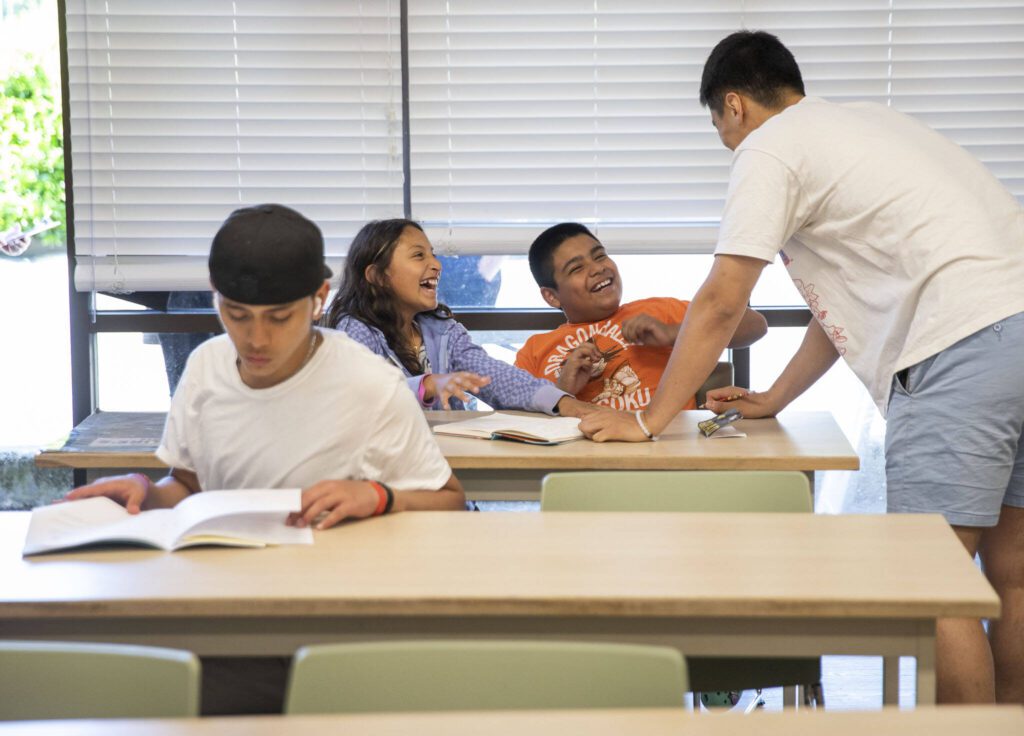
x,y
607,353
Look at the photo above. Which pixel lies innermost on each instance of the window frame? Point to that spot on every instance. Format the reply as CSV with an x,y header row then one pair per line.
x,y
86,323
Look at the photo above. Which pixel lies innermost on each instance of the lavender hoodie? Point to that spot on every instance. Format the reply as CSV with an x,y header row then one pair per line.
x,y
450,349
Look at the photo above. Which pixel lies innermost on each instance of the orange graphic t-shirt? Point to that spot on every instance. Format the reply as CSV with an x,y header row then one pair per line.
x,y
625,381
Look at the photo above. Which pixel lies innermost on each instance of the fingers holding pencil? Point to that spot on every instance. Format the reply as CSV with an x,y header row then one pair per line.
x,y
723,395
750,403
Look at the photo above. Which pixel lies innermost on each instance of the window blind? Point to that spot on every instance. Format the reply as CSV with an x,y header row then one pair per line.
x,y
182,112
531,113
521,115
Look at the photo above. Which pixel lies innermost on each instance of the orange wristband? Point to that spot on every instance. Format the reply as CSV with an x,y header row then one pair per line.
x,y
384,498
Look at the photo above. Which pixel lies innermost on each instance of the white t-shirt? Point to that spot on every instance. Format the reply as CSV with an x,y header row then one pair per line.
x,y
900,242
347,414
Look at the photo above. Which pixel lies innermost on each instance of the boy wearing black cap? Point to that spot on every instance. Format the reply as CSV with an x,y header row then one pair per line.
x,y
263,406
278,403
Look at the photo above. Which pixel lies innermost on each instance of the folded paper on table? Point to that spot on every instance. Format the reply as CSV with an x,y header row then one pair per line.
x,y
535,430
243,518
726,433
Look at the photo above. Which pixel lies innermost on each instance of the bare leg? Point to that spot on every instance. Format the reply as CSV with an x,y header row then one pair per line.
x,y
1002,552
963,659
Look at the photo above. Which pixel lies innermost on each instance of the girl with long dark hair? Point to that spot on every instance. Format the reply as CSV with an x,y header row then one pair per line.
x,y
388,302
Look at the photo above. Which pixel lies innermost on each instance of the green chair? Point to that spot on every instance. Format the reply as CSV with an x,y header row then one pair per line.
x,y
700,491
46,680
483,675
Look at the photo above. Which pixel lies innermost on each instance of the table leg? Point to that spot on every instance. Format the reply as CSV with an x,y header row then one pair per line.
x,y
926,670
890,680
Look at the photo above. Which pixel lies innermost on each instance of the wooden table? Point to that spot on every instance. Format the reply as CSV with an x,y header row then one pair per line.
x,y
863,585
1003,720
803,441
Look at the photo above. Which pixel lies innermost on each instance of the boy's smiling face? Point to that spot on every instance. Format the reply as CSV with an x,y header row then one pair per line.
x,y
587,284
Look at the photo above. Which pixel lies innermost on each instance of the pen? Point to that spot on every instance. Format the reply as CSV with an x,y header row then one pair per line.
x,y
727,398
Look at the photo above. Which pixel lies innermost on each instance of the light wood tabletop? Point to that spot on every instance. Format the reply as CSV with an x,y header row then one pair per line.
x,y
710,584
1006,720
803,441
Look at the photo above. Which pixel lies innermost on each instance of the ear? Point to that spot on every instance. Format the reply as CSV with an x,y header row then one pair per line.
x,y
372,275
551,297
320,298
733,105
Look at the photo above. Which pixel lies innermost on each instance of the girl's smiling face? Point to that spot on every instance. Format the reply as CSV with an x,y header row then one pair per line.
x,y
413,274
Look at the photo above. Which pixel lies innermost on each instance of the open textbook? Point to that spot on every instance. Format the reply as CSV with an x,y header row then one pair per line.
x,y
252,518
536,430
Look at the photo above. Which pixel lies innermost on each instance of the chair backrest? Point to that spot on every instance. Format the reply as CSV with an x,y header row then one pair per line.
x,y
722,375
45,680
677,490
483,675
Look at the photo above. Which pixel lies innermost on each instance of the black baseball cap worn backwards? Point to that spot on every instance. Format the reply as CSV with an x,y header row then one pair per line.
x,y
267,254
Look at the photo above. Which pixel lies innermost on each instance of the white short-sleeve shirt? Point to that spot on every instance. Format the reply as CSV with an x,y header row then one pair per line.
x,y
347,414
900,242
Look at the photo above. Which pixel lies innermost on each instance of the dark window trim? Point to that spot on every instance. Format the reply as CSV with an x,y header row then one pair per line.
x,y
484,318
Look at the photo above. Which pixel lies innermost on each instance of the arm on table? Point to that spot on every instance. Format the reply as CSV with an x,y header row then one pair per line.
x,y
810,362
338,500
136,492
711,320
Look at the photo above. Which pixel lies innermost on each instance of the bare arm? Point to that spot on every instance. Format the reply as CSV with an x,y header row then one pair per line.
x,y
752,328
448,497
338,500
711,321
647,330
136,492
810,362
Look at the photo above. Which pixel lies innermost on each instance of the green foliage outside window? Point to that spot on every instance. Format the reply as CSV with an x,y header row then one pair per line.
x,y
31,155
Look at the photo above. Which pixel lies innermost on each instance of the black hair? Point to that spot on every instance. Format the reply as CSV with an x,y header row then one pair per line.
x,y
373,304
542,251
754,63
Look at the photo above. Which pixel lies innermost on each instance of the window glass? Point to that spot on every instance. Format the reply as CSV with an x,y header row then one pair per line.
x,y
506,281
131,372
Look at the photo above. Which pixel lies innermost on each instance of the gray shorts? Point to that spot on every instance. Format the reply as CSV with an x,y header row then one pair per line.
x,y
953,442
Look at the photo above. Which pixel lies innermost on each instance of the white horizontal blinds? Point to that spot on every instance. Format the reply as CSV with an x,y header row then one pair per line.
x,y
182,112
528,113
959,67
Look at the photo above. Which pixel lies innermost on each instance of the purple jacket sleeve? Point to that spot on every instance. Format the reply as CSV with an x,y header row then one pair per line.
x,y
510,387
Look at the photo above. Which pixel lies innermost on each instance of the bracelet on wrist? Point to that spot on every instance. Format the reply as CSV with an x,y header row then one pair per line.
x,y
639,415
385,498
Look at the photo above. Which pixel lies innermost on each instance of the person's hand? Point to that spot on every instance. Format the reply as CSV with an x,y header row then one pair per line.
x,y
608,425
751,405
644,329
570,407
447,385
579,367
337,500
14,244
128,490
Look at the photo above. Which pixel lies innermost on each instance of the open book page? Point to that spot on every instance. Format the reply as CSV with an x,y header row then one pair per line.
x,y
537,429
229,518
253,518
92,520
